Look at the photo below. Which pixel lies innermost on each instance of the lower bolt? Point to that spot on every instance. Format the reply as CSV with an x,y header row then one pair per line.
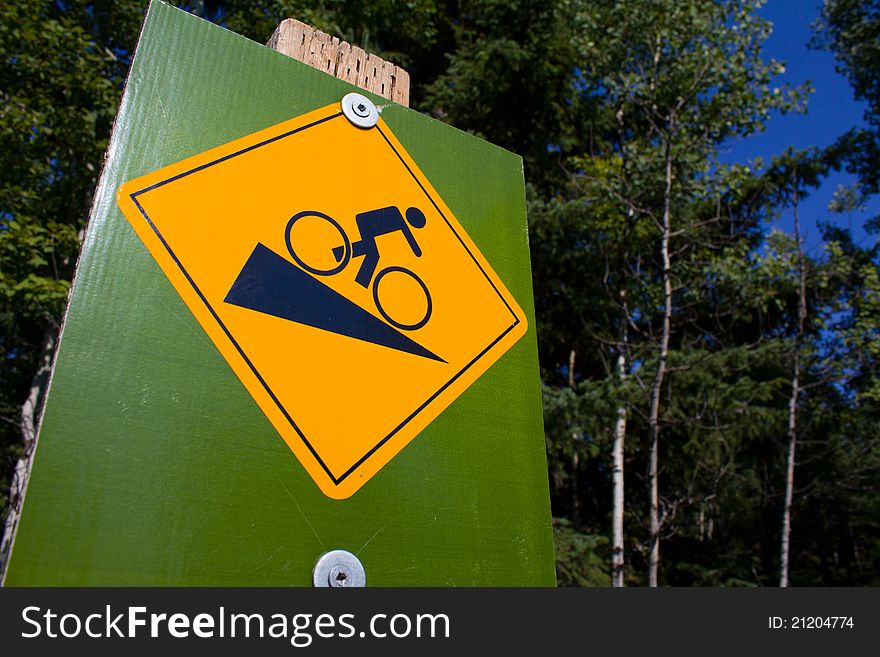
x,y
339,569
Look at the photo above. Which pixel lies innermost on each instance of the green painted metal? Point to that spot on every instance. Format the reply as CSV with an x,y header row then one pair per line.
x,y
155,467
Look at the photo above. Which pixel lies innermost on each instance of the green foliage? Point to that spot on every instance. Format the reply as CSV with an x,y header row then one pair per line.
x,y
581,559
851,30
679,80
509,79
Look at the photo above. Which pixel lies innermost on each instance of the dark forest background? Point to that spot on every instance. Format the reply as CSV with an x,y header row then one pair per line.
x,y
711,387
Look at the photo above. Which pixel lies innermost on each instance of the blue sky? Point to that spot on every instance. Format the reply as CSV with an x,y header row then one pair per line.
x,y
832,110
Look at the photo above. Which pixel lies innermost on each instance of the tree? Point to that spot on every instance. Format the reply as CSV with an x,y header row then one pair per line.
x,y
686,77
509,80
850,29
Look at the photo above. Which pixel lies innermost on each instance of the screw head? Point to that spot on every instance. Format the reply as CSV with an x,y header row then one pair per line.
x,y
339,569
339,577
360,110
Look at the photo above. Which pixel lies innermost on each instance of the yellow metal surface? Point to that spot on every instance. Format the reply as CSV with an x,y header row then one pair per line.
x,y
349,383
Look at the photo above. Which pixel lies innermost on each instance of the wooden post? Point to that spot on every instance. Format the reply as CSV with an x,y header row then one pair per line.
x,y
341,59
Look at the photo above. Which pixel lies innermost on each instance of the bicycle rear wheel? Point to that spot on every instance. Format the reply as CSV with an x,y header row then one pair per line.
x,y
341,261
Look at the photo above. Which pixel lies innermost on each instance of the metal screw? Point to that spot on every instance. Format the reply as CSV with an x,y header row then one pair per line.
x,y
360,110
339,569
339,577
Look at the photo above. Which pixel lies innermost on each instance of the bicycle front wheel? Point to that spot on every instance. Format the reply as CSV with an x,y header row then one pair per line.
x,y
388,318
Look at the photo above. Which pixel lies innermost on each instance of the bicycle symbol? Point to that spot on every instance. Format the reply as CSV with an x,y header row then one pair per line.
x,y
370,225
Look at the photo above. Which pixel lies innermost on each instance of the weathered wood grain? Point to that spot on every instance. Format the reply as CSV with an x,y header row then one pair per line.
x,y
341,59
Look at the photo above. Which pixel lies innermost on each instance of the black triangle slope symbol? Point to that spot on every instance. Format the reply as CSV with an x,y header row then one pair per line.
x,y
272,285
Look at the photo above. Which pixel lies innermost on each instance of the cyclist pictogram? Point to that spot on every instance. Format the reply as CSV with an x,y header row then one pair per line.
x,y
270,284
371,225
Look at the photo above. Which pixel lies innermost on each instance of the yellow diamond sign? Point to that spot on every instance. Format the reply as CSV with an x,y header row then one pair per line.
x,y
339,287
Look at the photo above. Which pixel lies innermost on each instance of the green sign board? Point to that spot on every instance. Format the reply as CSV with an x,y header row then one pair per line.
x,y
234,396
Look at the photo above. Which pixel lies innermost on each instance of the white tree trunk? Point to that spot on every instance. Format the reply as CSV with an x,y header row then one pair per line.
x,y
29,418
657,384
785,538
789,475
617,511
575,458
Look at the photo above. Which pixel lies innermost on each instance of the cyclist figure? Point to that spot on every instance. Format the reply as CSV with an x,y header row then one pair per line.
x,y
383,221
